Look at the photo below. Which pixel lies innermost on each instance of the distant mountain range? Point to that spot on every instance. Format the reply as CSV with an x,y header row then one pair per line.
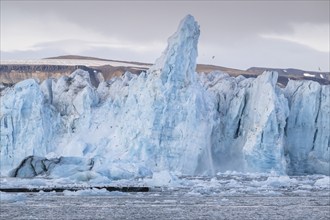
x,y
12,72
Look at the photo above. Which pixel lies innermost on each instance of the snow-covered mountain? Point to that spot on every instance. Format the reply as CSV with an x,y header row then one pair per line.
x,y
166,119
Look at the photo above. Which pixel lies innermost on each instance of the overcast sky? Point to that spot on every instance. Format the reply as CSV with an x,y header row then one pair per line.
x,y
239,34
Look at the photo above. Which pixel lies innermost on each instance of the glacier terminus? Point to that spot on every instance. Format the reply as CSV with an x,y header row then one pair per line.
x,y
167,119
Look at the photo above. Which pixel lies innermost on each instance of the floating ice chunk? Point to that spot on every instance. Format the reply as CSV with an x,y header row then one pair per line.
x,y
279,181
323,182
162,178
93,192
12,197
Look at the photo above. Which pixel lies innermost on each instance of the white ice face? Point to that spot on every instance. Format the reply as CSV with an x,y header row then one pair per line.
x,y
169,119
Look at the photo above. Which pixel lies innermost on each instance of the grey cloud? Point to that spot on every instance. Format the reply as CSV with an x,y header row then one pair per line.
x,y
146,19
269,53
29,54
229,30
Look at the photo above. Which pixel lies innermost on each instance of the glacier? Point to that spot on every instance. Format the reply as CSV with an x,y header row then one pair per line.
x,y
169,119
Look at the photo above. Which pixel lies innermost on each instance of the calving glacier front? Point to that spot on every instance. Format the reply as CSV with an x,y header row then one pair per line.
x,y
167,119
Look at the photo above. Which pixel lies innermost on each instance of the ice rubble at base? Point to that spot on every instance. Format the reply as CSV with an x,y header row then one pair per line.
x,y
167,120
221,185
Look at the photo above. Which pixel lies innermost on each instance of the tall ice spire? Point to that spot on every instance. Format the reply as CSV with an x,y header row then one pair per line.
x,y
177,64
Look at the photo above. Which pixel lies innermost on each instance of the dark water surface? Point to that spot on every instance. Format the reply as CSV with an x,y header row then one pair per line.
x,y
224,197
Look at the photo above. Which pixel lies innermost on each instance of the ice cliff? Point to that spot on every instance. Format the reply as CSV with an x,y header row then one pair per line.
x,y
167,119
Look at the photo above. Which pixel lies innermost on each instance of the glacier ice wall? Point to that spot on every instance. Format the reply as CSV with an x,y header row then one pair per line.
x,y
167,119
252,116
28,123
307,140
